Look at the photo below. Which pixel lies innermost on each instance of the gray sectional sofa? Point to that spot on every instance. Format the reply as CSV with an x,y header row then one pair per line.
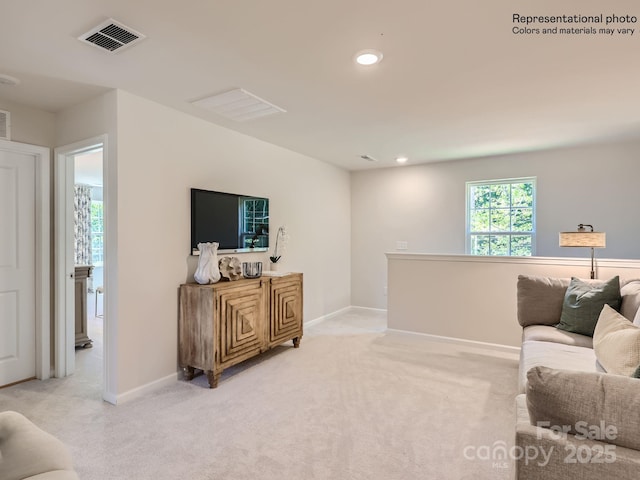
x,y
577,419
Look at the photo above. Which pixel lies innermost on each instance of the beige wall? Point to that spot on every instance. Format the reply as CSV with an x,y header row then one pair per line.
x,y
30,125
95,117
425,206
154,155
474,298
161,154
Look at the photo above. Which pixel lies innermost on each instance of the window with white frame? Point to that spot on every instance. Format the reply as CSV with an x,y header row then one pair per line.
x,y
501,217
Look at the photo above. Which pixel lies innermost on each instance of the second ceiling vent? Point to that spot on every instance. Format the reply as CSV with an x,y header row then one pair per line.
x,y
111,36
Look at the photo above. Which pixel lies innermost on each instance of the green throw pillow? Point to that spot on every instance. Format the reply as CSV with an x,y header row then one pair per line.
x,y
583,303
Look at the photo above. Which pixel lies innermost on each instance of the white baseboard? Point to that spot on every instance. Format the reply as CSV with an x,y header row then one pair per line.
x,y
462,341
348,309
318,320
368,309
141,390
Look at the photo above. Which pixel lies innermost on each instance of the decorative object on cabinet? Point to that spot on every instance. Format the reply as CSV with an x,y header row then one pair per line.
x,y
230,268
251,269
208,270
224,324
282,237
81,274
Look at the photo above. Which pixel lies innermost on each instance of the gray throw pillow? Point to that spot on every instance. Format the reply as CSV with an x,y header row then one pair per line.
x,y
539,299
583,303
575,401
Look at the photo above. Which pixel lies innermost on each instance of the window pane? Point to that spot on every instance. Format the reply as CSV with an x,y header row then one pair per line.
x,y
480,244
500,195
522,219
522,195
500,221
499,244
480,196
479,221
521,245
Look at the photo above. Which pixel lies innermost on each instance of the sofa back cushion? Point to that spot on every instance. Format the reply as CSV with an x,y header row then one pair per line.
x,y
540,299
630,306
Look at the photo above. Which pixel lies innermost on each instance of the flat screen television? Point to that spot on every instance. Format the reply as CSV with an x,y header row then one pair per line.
x,y
238,223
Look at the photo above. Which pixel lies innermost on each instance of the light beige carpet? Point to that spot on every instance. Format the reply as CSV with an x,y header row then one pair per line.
x,y
354,402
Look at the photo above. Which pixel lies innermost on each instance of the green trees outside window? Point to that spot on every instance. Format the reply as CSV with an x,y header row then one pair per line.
x,y
501,217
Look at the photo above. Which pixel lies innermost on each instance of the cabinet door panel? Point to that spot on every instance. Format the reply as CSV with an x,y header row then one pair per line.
x,y
286,311
241,323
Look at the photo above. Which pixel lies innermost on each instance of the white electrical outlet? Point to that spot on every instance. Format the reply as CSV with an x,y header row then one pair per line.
x,y
384,290
401,245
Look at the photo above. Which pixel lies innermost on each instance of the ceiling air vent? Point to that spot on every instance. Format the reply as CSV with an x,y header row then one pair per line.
x,y
5,125
111,36
238,105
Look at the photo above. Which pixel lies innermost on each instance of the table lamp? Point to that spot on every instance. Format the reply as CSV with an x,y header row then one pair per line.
x,y
584,238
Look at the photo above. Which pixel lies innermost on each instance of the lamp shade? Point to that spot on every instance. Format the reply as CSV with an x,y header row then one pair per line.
x,y
583,239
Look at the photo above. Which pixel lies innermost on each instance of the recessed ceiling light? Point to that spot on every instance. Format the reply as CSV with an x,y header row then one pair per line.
x,y
368,57
8,80
401,159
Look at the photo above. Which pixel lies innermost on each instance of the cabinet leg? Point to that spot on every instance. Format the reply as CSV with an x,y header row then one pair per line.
x,y
189,372
296,342
213,378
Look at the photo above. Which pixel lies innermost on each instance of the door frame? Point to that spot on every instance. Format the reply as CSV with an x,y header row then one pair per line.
x,y
64,321
42,157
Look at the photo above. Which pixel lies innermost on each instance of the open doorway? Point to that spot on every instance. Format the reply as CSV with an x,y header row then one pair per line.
x,y
81,312
89,263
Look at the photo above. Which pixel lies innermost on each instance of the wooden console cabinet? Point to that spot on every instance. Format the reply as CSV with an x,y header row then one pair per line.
x,y
225,323
81,274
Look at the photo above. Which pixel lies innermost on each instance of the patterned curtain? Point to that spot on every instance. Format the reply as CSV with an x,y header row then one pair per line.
x,y
82,224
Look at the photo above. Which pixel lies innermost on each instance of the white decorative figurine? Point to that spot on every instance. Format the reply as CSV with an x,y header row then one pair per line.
x,y
207,271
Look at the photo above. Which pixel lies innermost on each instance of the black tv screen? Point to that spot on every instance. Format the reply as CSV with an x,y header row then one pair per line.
x,y
236,222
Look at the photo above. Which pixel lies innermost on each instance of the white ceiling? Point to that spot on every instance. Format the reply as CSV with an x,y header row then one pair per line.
x,y
455,81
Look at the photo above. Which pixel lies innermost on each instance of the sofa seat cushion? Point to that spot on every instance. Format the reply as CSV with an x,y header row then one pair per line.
x,y
554,355
546,333
578,401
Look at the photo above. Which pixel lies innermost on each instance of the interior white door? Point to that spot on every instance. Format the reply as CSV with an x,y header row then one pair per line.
x,y
17,267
